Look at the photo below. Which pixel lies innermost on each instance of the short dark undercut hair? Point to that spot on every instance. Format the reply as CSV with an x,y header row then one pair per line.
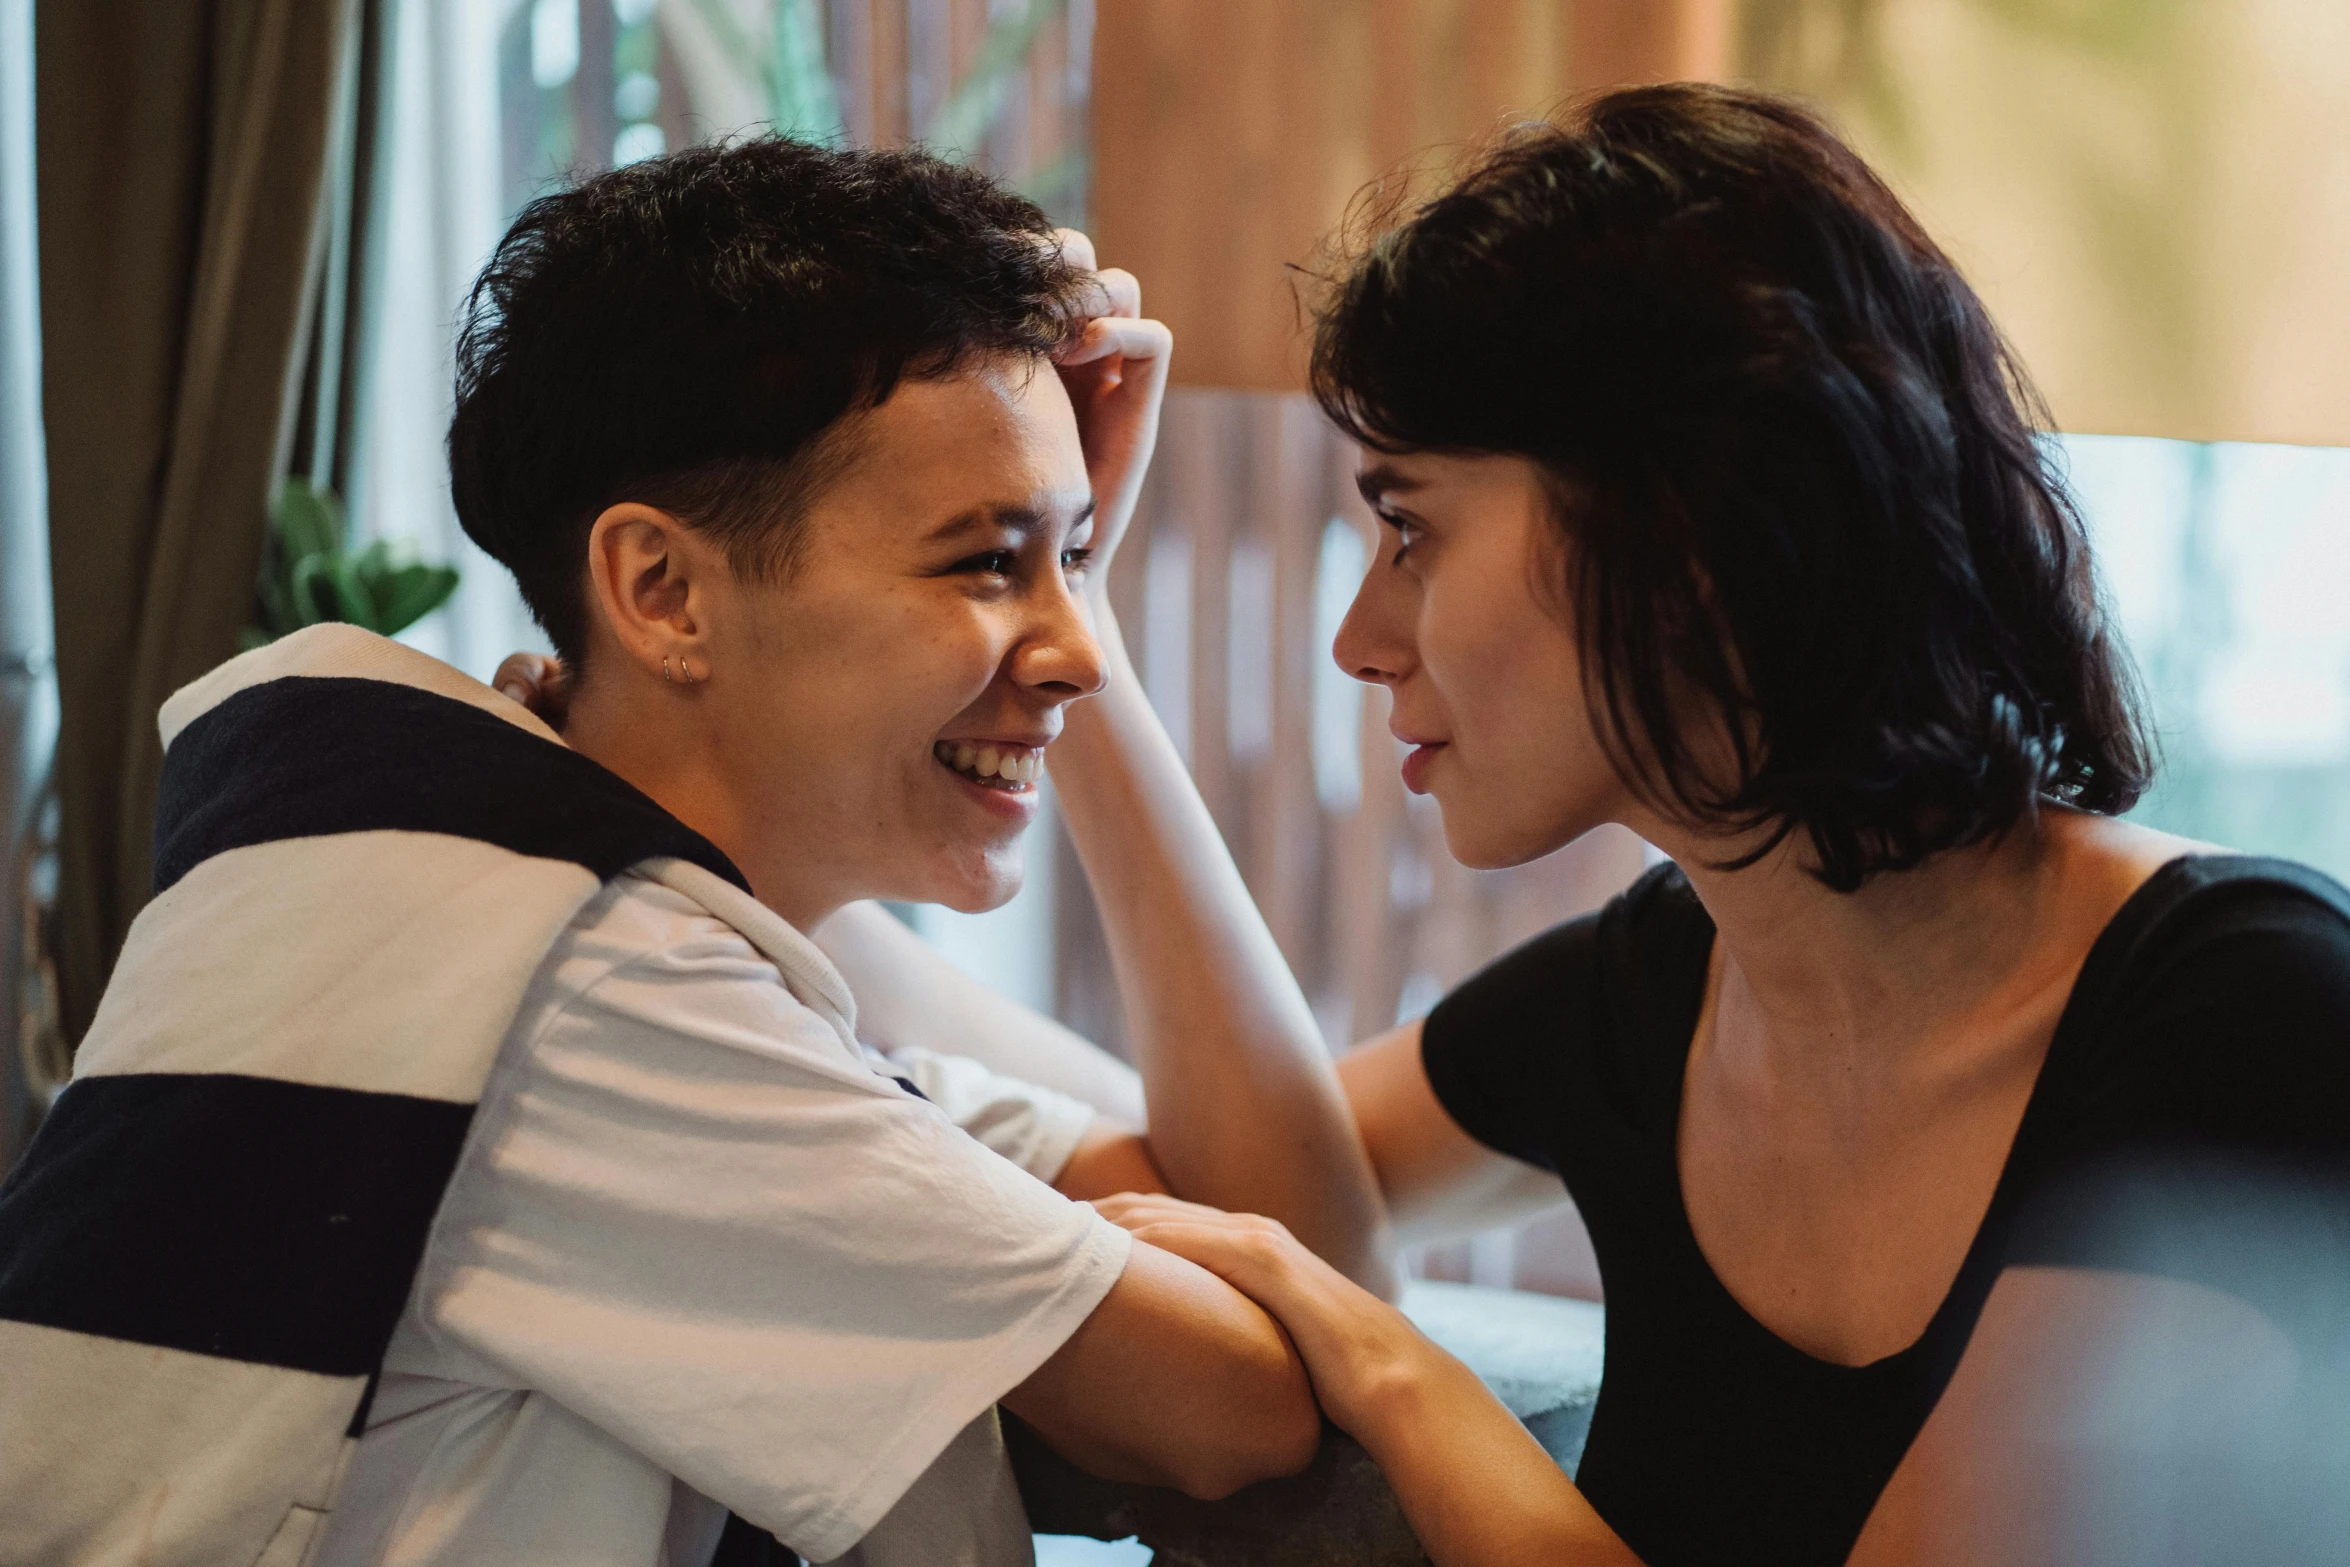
x,y
690,332
1795,470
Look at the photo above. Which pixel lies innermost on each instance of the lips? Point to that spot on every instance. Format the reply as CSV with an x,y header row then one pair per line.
x,y
1421,758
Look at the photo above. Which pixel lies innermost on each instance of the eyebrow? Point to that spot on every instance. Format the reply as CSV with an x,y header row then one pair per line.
x,y
1025,519
1383,479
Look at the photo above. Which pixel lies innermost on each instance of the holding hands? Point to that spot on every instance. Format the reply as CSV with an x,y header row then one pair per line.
x,y
1361,1352
1424,1417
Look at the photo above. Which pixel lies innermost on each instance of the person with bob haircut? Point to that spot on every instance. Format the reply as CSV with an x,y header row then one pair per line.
x,y
1712,504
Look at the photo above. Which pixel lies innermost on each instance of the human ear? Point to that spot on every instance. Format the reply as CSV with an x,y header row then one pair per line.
x,y
646,578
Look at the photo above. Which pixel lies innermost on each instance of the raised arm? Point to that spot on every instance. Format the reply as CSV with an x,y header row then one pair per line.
x,y
1245,1110
908,994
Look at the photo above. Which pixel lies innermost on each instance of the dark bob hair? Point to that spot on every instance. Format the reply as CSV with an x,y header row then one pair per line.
x,y
682,331
1794,466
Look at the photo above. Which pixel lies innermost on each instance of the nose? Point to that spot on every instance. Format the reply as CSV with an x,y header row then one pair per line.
x,y
1059,658
1374,641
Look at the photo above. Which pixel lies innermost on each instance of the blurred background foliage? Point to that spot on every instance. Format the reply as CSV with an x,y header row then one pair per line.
x,y
310,574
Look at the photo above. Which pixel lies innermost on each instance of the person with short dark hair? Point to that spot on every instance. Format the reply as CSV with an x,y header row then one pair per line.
x,y
1712,504
474,1160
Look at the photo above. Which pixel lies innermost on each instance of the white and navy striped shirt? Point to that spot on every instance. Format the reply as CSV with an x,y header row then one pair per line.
x,y
441,1042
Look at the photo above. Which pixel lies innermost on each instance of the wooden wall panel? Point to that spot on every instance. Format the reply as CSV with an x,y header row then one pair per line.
x,y
1230,137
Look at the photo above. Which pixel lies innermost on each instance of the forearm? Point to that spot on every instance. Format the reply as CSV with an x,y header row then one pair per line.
x,y
907,994
1177,1379
1478,1489
1245,1111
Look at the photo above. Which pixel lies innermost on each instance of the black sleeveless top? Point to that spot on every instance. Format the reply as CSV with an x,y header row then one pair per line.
x,y
2209,1028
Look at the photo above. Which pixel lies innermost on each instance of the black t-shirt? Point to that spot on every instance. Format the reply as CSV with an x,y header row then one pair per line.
x,y
2210,1022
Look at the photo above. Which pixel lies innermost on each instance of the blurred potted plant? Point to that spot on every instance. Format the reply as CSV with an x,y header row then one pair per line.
x,y
309,574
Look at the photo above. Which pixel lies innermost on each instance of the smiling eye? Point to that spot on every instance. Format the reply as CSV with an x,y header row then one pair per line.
x,y
993,563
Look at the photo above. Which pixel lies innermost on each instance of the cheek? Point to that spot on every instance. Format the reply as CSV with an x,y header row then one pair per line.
x,y
872,667
1509,670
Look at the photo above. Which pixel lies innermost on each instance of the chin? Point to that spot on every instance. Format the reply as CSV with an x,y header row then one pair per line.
x,y
1485,840
988,880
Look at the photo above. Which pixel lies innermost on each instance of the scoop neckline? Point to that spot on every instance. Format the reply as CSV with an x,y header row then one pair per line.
x,y
2094,978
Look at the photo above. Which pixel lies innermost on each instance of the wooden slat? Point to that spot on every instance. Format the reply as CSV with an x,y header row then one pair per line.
x,y
1231,136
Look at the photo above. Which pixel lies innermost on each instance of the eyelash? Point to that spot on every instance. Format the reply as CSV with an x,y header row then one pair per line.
x,y
999,563
1405,532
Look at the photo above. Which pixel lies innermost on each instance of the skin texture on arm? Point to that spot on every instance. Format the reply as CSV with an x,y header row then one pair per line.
x,y
1176,1379
1478,1489
908,995
1245,1107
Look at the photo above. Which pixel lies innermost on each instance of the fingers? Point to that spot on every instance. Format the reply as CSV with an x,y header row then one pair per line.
x,y
1076,248
1138,1211
1124,289
1144,1207
1124,337
538,682
1122,293
521,675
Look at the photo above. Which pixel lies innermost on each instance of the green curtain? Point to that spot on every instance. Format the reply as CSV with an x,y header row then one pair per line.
x,y
185,148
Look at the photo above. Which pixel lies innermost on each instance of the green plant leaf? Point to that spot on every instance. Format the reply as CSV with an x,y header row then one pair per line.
x,y
309,520
342,597
409,593
277,604
308,576
302,584
351,596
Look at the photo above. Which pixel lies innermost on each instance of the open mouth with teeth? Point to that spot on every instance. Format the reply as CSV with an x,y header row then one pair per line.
x,y
1013,769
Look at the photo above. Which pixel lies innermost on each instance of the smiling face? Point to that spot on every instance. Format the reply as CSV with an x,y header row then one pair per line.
x,y
1459,619
875,721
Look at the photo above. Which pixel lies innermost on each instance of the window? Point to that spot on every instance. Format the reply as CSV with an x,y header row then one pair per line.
x,y
2228,568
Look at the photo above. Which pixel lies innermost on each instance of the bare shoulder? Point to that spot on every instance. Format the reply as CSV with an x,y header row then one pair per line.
x,y
2107,859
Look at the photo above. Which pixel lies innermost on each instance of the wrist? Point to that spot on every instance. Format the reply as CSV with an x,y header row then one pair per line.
x,y
1407,1379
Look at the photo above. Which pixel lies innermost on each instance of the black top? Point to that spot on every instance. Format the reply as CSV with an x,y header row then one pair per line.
x,y
2209,1027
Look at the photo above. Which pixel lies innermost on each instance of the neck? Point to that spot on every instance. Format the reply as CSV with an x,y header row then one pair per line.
x,y
659,745
1877,974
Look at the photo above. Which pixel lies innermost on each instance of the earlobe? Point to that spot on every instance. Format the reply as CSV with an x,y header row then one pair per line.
x,y
640,570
